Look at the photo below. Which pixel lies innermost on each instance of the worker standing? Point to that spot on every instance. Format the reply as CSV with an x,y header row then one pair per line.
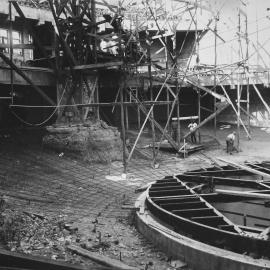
x,y
230,142
192,128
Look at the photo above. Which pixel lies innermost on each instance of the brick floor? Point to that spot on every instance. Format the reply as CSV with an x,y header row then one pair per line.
x,y
81,192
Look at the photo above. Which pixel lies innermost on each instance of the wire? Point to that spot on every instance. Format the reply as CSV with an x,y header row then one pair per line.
x,y
46,120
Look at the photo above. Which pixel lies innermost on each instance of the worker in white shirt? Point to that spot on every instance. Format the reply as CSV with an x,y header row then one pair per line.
x,y
192,126
230,142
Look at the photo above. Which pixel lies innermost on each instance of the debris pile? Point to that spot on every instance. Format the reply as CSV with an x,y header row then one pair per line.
x,y
93,141
35,234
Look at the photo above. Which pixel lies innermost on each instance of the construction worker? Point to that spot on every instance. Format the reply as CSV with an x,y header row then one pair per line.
x,y
192,126
230,142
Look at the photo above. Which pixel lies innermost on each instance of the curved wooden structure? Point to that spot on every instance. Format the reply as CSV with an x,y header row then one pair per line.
x,y
174,201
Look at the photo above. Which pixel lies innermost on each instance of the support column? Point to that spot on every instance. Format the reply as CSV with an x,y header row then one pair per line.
x,y
238,83
122,89
238,113
126,113
215,79
178,122
199,113
97,98
10,35
168,105
151,98
138,111
248,106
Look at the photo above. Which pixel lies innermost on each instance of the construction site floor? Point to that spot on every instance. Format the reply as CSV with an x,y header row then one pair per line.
x,y
95,199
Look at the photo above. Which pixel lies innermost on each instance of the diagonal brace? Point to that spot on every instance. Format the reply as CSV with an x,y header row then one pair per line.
x,y
26,78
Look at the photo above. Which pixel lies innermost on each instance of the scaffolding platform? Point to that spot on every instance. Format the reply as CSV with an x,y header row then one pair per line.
x,y
189,148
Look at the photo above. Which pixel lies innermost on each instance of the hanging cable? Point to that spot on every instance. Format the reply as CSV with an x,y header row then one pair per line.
x,y
47,119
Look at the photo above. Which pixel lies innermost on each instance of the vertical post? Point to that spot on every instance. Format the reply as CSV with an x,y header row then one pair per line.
x,y
184,148
238,113
166,56
151,98
23,37
247,77
178,119
58,90
168,105
238,83
248,106
97,97
257,37
215,78
123,123
138,111
11,49
126,112
199,113
93,13
245,220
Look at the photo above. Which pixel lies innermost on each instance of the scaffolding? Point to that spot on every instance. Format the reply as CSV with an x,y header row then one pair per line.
x,y
80,44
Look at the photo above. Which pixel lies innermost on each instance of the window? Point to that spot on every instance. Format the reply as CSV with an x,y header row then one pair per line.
x,y
17,39
4,38
29,39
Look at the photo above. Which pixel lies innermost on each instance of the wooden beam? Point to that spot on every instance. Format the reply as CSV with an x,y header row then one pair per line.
x,y
222,108
104,104
101,259
24,76
17,46
246,168
185,118
14,260
206,109
98,66
209,91
208,218
18,9
170,90
236,111
70,56
243,194
25,196
157,125
62,6
261,98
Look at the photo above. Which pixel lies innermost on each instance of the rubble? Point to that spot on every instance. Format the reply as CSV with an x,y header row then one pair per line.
x,y
93,141
32,233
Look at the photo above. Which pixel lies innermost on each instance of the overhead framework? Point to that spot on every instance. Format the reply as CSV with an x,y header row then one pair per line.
x,y
96,35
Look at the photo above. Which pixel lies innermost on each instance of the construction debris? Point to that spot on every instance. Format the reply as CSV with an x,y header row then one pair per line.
x,y
92,142
34,234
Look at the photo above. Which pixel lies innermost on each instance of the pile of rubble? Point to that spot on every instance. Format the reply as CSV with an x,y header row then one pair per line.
x,y
34,234
93,141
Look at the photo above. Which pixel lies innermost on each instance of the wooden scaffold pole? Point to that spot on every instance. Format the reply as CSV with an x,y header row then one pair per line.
x,y
11,50
247,65
122,89
151,98
215,76
238,83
